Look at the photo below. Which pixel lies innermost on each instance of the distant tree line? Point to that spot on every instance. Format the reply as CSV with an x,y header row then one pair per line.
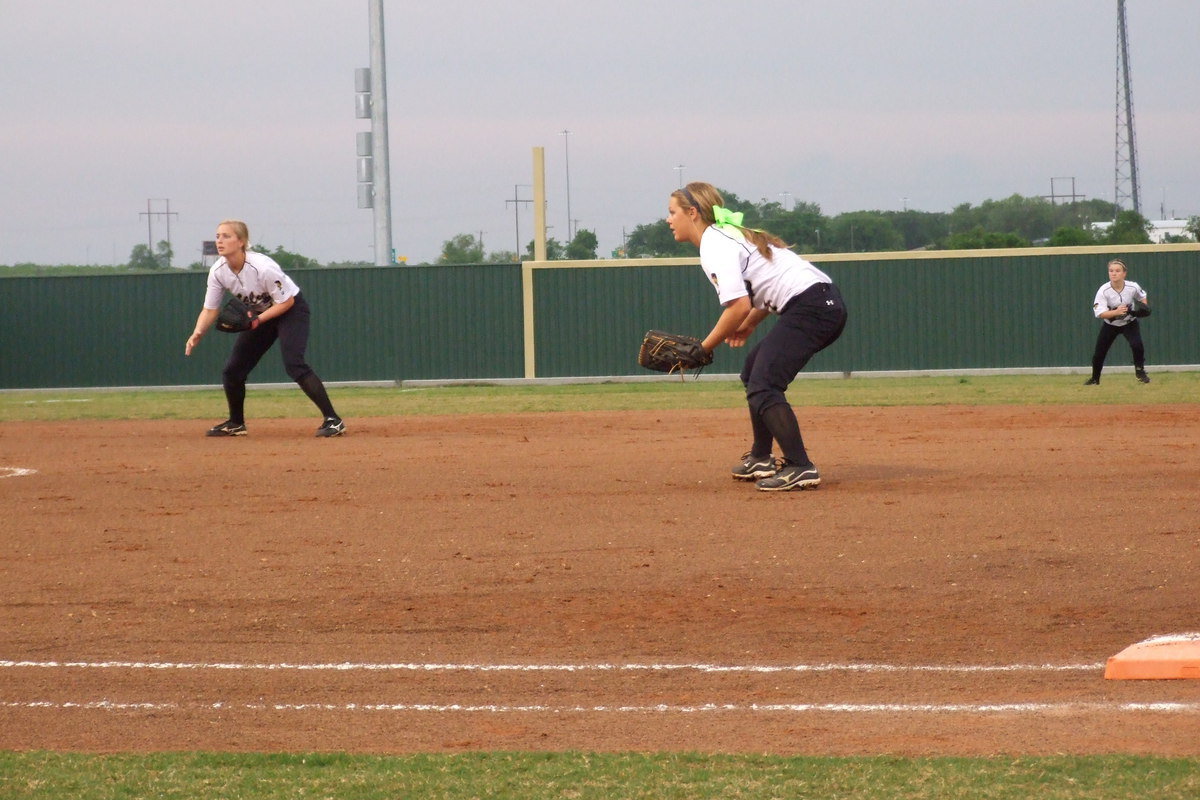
x,y
143,259
468,249
1013,222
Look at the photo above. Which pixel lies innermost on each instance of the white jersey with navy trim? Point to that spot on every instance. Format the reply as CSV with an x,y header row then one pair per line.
x,y
736,269
260,284
1108,298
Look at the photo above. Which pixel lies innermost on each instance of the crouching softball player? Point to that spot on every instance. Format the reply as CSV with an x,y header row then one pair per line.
x,y
755,275
283,313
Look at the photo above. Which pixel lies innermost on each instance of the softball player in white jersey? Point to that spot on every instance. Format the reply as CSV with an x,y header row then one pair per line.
x,y
1111,307
283,314
755,275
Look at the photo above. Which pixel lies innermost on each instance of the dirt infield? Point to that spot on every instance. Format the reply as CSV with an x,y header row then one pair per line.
x,y
597,581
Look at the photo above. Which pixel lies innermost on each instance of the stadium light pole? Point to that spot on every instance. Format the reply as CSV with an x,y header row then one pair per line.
x,y
567,155
380,170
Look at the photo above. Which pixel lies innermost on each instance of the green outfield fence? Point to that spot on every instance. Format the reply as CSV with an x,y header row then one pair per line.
x,y
909,312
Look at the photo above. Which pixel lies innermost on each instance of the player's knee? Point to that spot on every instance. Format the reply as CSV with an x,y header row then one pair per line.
x,y
233,377
760,398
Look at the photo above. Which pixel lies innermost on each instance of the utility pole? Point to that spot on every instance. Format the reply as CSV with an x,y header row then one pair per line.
x,y
1054,196
149,214
149,230
516,203
679,169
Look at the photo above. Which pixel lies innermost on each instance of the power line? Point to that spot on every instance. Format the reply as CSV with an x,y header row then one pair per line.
x,y
1055,196
516,203
149,214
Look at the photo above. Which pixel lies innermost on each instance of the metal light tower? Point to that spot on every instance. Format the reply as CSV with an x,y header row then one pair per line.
x,y
567,156
374,173
1126,172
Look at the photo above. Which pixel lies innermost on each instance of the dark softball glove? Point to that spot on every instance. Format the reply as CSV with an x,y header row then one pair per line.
x,y
236,316
1138,308
669,352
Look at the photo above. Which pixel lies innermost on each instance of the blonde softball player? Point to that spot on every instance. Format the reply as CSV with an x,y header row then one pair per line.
x,y
755,275
1111,307
283,315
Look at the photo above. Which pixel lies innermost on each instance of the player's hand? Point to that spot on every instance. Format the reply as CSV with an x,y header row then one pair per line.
x,y
738,338
192,341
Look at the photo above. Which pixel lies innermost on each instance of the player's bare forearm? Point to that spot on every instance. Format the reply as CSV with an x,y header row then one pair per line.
x,y
756,316
739,337
732,318
203,322
277,310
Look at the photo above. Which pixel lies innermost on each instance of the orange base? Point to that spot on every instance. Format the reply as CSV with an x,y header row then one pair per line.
x,y
1159,658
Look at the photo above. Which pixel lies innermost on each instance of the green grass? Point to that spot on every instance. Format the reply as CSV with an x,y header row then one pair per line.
x,y
588,775
1168,387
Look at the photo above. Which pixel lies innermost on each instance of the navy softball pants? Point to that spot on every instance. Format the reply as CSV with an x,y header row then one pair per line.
x,y
291,331
810,322
1132,332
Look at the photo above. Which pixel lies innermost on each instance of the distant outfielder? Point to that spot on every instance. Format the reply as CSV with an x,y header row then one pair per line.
x,y
755,275
266,305
1118,305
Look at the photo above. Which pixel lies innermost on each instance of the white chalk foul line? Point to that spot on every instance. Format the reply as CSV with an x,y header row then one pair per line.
x,y
435,667
793,708
15,472
788,708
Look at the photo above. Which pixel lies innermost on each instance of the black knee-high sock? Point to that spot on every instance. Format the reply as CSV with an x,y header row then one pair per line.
x,y
762,436
1139,358
315,390
235,396
781,421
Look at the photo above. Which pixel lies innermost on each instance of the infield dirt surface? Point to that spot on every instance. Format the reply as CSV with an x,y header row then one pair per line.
x,y
160,590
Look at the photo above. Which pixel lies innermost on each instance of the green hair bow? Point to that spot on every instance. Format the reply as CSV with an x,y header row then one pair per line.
x,y
724,217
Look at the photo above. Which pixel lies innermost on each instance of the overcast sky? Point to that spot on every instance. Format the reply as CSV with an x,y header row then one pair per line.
x,y
246,109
